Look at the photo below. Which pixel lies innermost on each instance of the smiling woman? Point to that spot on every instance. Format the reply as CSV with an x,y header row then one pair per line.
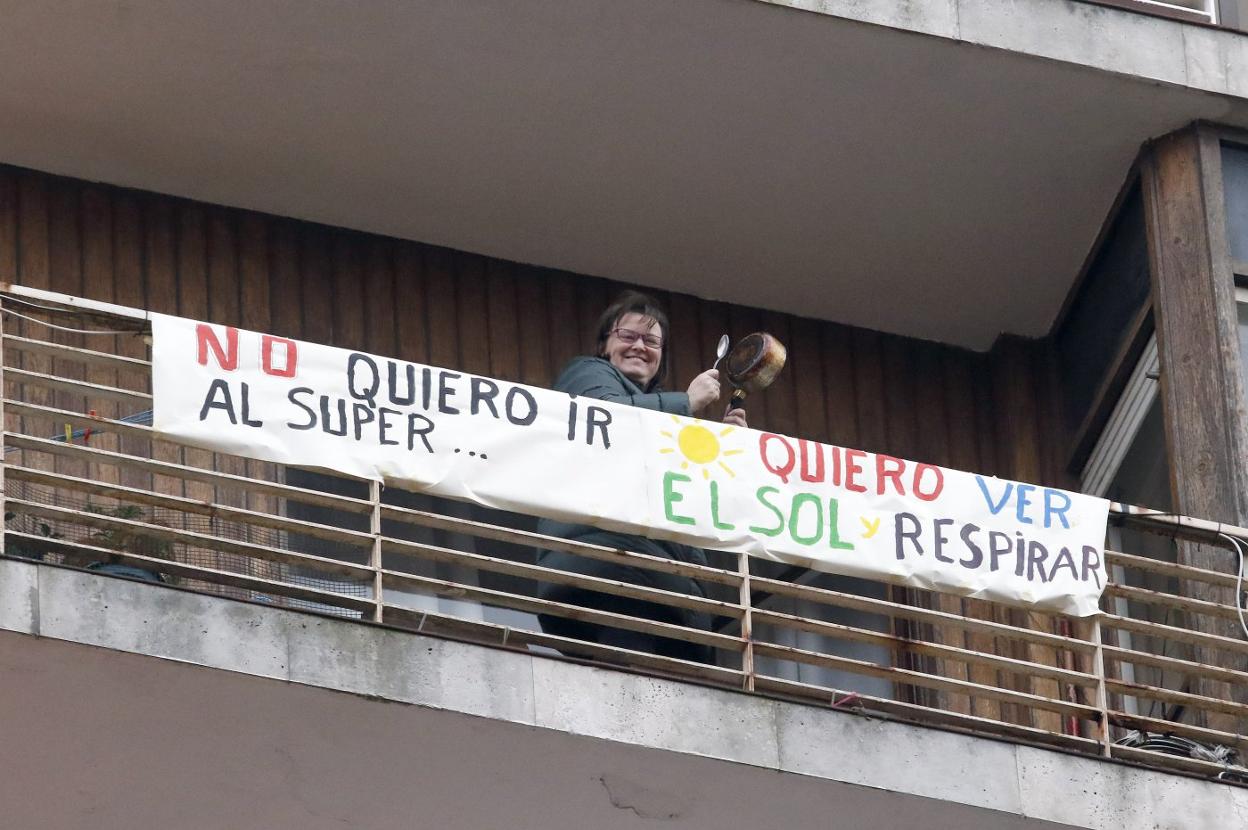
x,y
628,368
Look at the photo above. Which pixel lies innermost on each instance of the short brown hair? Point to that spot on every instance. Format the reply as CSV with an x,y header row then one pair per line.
x,y
634,302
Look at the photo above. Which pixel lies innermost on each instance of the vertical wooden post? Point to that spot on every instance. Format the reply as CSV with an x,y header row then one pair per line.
x,y
1201,388
747,622
374,527
1197,337
1102,696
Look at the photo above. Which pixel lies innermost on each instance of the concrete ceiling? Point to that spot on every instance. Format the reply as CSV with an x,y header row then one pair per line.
x,y
728,148
100,739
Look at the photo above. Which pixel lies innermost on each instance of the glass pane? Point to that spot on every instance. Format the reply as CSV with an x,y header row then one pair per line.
x,y
1114,290
1243,342
1235,185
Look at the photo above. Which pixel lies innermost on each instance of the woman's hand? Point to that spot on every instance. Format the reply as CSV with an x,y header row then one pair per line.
x,y
703,390
736,417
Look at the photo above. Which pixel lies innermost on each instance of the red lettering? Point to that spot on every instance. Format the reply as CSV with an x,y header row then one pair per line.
x,y
291,359
836,466
784,470
206,338
852,469
888,467
939,484
804,448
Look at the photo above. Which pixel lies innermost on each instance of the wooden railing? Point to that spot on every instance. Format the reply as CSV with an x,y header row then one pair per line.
x,y
88,484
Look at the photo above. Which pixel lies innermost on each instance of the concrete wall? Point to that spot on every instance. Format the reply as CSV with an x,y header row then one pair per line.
x,y
78,636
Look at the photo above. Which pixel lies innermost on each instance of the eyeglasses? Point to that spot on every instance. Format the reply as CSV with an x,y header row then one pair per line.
x,y
629,337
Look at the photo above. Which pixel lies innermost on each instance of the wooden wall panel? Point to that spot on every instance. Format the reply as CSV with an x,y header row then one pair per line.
x,y
8,225
33,268
1017,379
410,305
191,261
65,255
285,279
685,352
532,334
347,290
255,312
97,210
223,292
442,315
839,384
317,298
128,280
471,314
9,210
503,328
560,319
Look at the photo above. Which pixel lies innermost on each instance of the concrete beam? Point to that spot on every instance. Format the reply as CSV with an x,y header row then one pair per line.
x,y
671,716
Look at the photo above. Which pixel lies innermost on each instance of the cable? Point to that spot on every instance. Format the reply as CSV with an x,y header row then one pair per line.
x,y
51,309
1181,747
37,321
1239,581
144,417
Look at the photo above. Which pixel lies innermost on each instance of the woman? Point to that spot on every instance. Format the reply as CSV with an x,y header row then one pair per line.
x,y
631,360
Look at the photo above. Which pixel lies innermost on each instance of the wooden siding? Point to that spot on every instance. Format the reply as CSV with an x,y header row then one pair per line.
x,y
995,413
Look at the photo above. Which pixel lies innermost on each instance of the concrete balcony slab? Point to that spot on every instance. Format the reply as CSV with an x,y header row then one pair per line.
x,y
309,722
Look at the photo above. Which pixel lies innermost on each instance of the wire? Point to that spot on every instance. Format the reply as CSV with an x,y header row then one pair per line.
x,y
144,417
1239,581
37,321
51,309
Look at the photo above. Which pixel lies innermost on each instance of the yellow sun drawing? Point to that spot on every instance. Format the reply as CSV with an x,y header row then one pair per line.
x,y
700,446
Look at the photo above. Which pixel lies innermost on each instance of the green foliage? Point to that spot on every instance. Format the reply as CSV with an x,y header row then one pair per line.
x,y
126,539
30,548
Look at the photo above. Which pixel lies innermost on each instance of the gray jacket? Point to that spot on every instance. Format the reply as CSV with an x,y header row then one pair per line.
x,y
595,377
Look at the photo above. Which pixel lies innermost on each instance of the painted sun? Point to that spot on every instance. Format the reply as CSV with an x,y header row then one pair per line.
x,y
700,446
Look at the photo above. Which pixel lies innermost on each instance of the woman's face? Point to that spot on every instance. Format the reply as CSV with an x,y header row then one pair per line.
x,y
636,361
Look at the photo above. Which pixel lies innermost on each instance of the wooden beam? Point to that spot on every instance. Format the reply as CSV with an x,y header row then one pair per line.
x,y
1202,393
1194,299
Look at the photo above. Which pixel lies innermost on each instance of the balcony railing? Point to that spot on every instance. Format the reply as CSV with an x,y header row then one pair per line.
x,y
88,484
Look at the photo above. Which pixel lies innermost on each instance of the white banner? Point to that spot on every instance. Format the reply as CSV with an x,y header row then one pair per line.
x,y
546,453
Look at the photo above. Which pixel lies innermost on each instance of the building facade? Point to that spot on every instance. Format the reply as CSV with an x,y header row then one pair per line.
x,y
1010,238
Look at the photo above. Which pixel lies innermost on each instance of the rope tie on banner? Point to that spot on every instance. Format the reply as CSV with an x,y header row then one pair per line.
x,y
850,700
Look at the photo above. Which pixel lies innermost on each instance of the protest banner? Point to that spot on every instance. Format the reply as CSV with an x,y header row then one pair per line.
x,y
545,453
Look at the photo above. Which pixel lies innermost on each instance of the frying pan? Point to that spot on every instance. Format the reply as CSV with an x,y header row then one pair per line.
x,y
752,365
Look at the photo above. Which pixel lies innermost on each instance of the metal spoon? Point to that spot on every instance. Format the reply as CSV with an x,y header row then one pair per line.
x,y
721,350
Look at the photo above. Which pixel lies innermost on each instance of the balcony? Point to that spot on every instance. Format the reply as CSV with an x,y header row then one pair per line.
x,y
1152,681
